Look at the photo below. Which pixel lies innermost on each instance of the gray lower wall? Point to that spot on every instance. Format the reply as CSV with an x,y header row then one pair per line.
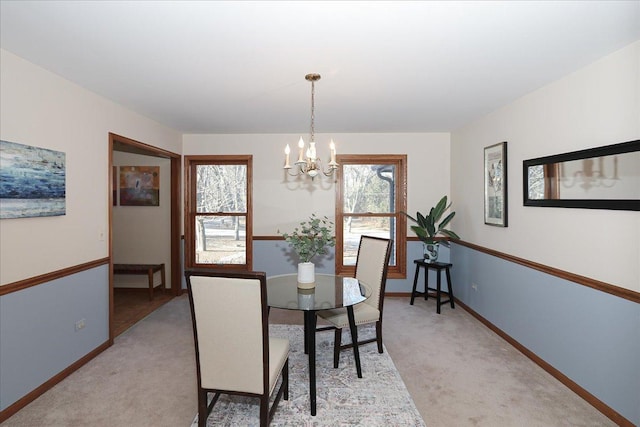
x,y
38,339
590,336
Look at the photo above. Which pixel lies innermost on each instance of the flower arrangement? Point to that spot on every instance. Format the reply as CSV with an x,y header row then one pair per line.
x,y
311,238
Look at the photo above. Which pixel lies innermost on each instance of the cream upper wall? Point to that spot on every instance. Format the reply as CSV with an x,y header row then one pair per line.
x,y
280,202
41,109
597,105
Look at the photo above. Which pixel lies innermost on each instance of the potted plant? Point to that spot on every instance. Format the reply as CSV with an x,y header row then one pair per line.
x,y
311,238
430,226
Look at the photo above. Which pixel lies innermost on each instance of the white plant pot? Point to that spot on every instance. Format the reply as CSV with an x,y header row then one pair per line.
x,y
431,251
306,273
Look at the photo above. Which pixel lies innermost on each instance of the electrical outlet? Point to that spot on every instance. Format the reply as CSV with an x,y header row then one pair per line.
x,y
474,286
80,324
101,235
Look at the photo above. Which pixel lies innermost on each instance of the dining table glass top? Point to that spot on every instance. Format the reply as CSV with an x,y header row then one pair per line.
x,y
330,291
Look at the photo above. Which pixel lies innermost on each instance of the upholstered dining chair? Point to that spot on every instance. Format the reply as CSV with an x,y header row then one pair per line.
x,y
234,353
372,265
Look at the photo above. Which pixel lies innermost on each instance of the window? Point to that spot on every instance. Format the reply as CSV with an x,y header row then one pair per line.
x,y
370,199
218,208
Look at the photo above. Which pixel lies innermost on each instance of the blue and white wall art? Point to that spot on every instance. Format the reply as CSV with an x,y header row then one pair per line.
x,y
32,181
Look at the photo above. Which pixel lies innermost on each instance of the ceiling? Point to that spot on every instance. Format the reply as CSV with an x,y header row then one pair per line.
x,y
239,67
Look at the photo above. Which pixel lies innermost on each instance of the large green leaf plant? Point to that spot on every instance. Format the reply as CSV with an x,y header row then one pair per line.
x,y
430,226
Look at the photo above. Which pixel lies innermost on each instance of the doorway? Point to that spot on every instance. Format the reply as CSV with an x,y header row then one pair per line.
x,y
131,305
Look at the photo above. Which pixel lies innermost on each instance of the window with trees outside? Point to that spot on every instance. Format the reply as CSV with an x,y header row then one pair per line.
x,y
370,199
218,205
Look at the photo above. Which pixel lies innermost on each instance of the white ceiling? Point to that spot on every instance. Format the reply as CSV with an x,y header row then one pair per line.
x,y
239,67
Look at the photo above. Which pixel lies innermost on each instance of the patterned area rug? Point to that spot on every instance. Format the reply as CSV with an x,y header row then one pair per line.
x,y
380,398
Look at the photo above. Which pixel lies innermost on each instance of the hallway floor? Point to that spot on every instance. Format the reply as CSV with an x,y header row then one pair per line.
x,y
132,305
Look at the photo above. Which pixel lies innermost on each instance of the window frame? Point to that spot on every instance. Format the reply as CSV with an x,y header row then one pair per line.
x,y
190,207
398,271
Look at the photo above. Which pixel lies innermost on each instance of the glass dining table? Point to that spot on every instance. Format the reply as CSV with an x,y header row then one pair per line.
x,y
330,291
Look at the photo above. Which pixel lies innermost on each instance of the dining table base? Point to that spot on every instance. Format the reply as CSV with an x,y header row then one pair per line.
x,y
310,322
329,293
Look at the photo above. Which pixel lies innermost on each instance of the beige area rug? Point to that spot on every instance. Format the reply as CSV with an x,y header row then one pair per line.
x,y
380,398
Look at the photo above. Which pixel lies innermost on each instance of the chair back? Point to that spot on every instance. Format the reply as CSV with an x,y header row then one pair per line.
x,y
230,327
372,265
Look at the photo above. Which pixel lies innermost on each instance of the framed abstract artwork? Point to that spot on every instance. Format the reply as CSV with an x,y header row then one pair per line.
x,y
32,181
495,185
139,185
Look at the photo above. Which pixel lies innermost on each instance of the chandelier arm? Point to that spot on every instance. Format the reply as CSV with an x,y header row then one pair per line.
x,y
326,172
298,173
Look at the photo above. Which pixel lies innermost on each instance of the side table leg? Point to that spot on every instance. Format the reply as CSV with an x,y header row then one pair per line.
x,y
426,283
450,288
150,276
163,277
438,293
354,339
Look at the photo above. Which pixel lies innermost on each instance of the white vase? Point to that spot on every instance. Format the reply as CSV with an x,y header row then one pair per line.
x,y
306,272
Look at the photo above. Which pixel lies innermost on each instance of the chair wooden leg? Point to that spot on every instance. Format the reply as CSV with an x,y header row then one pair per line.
x,y
379,336
202,408
285,379
264,411
337,342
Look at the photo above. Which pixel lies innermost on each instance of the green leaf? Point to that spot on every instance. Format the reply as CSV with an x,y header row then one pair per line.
x,y
446,220
410,217
450,233
422,222
439,209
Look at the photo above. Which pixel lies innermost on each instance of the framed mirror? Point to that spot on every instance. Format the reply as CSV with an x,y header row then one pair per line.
x,y
605,177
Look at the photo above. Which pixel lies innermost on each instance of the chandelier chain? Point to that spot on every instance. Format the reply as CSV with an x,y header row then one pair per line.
x,y
313,112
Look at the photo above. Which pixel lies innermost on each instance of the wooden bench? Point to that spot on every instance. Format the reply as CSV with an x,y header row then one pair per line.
x,y
148,269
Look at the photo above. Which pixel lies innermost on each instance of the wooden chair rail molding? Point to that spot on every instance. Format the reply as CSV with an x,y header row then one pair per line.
x,y
618,291
37,280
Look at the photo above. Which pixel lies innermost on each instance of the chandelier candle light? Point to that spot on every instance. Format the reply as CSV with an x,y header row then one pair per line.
x,y
308,161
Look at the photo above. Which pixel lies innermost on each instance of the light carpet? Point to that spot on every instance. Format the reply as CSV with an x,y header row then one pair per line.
x,y
380,398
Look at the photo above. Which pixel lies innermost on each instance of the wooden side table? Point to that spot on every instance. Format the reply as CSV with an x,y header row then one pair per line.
x,y
438,266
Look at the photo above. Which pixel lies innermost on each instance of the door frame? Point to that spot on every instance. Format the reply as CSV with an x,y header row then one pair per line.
x,y
129,145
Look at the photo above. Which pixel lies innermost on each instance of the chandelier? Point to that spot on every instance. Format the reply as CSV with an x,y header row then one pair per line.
x,y
308,161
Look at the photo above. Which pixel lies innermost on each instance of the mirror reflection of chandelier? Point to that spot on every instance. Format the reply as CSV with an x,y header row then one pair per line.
x,y
590,176
308,161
